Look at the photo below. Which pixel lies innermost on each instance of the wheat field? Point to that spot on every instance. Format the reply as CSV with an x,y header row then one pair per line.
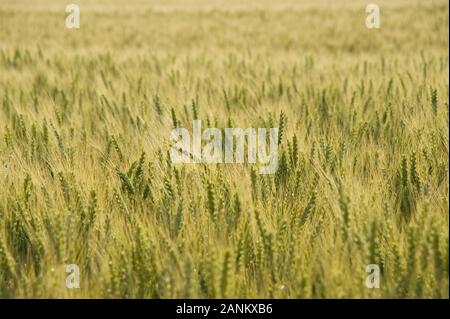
x,y
86,177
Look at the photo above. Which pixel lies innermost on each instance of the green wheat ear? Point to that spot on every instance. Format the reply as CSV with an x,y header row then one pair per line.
x,y
175,122
434,100
281,127
309,208
226,277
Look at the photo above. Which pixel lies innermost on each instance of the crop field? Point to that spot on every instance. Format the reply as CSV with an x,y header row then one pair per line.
x,y
87,181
